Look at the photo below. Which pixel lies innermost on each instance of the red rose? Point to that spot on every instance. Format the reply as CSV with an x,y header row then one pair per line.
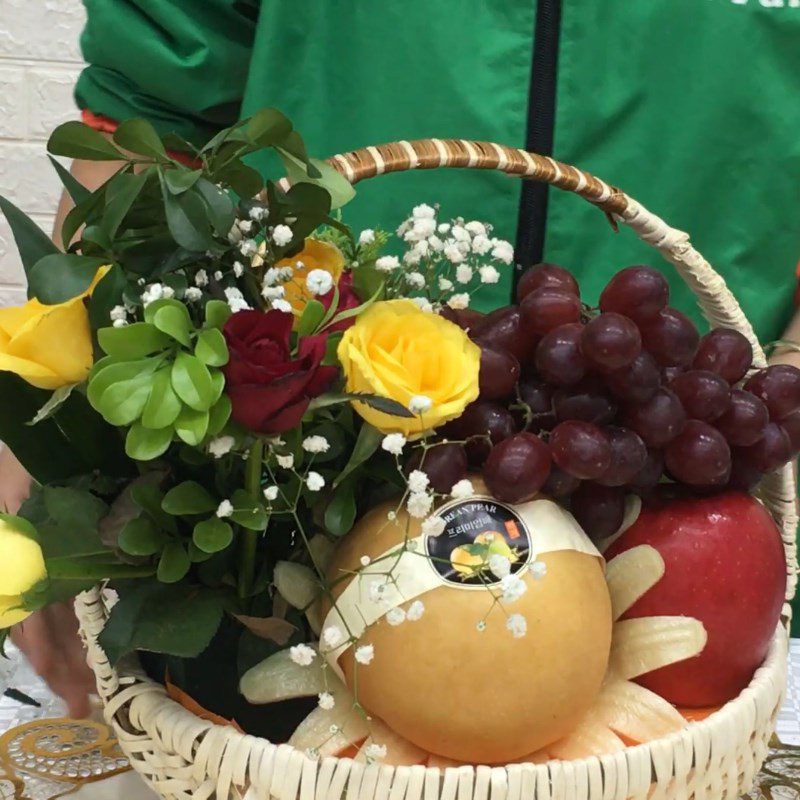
x,y
269,390
348,299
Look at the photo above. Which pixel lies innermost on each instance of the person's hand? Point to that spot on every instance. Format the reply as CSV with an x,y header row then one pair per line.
x,y
49,638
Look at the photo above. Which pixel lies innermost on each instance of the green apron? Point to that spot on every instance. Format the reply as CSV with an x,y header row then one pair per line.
x,y
691,106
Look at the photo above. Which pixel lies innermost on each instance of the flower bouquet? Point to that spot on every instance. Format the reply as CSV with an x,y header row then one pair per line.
x,y
328,503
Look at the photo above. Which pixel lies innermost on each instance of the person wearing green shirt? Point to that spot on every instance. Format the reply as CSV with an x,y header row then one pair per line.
x,y
689,106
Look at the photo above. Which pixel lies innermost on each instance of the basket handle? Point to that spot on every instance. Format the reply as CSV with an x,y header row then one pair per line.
x,y
715,299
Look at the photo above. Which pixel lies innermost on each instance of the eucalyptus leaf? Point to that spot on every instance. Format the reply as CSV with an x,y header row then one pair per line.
x,y
33,244
188,498
141,537
248,512
212,535
75,140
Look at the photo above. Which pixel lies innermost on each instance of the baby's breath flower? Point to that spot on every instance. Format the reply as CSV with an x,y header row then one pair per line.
x,y
412,258
315,481
452,252
273,292
258,213
423,303
415,611
376,591
248,248
282,305
433,526
419,504
475,228
423,211
155,291
225,509
272,276
464,273
326,701
423,228
245,225
221,446
302,654
416,280
271,494
460,234
419,404
513,587
285,462
395,616
366,236
435,243
518,625
282,235
332,636
538,570
462,490
445,284
316,444
375,751
319,282
481,245
365,653
234,234
387,264
444,227
218,275
481,626
488,274
459,301
503,251
238,269
394,443
365,561
418,481
236,299
391,516
193,294
201,278
118,314
499,565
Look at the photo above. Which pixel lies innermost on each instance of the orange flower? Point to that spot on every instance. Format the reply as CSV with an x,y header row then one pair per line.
x,y
315,254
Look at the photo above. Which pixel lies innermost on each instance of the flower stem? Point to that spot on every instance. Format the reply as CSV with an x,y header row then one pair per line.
x,y
67,570
249,542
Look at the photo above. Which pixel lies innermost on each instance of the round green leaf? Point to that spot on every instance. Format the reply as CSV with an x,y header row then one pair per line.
x,y
122,403
196,555
145,444
163,406
219,415
174,321
192,426
132,341
211,348
192,382
174,563
217,313
212,535
108,372
140,537
217,384
186,498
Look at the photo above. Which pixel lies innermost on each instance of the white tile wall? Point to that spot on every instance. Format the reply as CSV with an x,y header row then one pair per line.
x,y
39,63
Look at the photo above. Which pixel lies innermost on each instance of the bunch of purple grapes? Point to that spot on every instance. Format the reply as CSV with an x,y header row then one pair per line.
x,y
588,407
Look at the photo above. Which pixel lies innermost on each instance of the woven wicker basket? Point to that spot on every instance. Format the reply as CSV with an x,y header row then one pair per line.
x,y
183,757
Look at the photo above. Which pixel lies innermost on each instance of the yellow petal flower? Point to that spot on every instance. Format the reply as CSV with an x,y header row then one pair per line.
x,y
314,255
398,351
48,346
21,568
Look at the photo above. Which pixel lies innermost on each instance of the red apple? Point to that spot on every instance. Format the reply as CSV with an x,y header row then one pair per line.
x,y
725,565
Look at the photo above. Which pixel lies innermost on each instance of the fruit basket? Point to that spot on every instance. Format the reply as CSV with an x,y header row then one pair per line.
x,y
184,756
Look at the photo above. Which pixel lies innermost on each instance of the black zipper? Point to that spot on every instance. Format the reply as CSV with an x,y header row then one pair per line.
x,y
541,124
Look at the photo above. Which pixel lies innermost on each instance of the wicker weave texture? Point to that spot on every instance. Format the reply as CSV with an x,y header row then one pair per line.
x,y
183,757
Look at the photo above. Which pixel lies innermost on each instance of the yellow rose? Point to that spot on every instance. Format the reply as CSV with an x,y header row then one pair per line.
x,y
48,346
396,350
21,567
314,255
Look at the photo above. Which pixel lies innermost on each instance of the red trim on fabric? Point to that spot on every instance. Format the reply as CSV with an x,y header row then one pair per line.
x,y
107,125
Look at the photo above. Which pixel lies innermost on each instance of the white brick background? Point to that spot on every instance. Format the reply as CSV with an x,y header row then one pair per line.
x,y
39,63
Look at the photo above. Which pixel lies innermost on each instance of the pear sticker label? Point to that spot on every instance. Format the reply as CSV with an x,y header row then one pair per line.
x,y
475,530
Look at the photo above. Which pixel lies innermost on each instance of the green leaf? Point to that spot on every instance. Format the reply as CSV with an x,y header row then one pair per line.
x,y
384,404
94,239
187,219
220,209
106,295
339,188
148,497
153,617
76,190
268,127
145,444
244,180
218,312
32,242
187,498
174,320
340,515
248,513
76,140
179,179
217,385
140,537
219,415
196,555
121,193
59,277
174,563
163,406
139,136
132,341
192,426
311,204
81,213
191,381
109,371
211,348
369,438
313,314
212,535
354,312
57,399
122,403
